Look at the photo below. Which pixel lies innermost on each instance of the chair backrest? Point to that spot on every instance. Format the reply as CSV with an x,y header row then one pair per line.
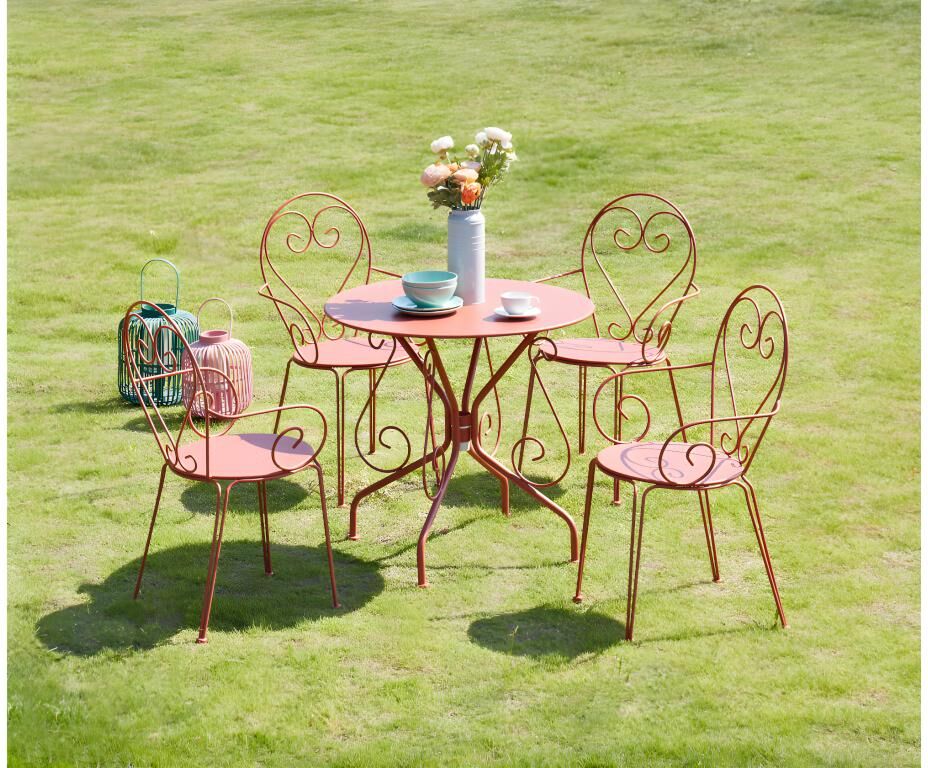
x,y
155,349
312,220
639,261
749,365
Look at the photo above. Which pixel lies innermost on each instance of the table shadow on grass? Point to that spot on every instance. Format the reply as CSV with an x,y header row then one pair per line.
x,y
172,596
481,488
547,633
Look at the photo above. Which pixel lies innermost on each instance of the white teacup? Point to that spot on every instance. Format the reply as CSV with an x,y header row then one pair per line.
x,y
518,302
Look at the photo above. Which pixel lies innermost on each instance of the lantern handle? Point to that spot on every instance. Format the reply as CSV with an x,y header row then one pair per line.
x,y
176,275
221,301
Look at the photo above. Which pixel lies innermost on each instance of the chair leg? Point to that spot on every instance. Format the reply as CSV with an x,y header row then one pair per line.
x,y
751,498
222,505
340,436
590,479
372,385
265,527
581,415
710,533
635,549
283,393
619,385
151,528
528,410
328,538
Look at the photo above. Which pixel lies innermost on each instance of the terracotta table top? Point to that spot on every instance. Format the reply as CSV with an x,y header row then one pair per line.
x,y
369,308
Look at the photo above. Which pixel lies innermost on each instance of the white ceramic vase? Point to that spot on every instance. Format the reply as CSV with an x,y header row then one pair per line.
x,y
466,255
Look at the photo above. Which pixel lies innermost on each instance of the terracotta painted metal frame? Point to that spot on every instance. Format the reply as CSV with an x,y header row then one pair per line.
x,y
312,333
209,451
644,335
736,429
368,309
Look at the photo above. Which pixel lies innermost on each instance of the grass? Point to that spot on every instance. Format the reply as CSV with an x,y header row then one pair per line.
x,y
788,133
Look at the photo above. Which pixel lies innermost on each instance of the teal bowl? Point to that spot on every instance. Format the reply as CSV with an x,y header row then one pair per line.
x,y
431,288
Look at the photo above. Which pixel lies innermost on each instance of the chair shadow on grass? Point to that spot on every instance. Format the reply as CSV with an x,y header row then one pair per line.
x,y
281,494
172,596
547,633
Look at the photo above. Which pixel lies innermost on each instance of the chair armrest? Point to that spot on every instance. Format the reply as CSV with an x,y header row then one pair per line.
x,y
738,451
636,398
661,330
386,272
576,271
296,331
296,432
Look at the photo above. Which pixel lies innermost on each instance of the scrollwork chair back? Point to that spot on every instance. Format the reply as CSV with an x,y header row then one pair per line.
x,y
318,223
164,351
749,365
633,241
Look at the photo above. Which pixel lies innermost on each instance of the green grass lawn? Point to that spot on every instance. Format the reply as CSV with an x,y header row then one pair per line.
x,y
788,133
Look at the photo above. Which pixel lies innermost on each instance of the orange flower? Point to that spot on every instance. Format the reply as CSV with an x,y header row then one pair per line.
x,y
470,193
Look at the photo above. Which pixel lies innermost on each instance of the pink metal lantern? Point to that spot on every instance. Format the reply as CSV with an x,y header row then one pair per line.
x,y
226,369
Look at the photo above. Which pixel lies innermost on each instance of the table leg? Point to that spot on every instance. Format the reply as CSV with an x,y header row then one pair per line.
x,y
450,408
458,426
499,469
461,433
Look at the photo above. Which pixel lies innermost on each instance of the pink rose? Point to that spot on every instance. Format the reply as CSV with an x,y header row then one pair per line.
x,y
434,175
465,176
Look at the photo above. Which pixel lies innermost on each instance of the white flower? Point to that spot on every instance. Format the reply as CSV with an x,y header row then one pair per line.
x,y
507,145
472,164
472,149
442,145
498,134
481,138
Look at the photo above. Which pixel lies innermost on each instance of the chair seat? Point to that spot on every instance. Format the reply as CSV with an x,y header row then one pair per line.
x,y
243,456
601,352
639,461
352,352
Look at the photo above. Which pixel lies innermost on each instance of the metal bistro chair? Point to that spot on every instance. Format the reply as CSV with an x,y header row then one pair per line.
x,y
318,342
640,225
754,333
209,451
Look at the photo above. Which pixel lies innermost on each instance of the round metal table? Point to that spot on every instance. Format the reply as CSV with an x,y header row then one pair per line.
x,y
369,308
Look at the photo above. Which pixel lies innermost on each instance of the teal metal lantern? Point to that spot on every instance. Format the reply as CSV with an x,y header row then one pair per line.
x,y
169,390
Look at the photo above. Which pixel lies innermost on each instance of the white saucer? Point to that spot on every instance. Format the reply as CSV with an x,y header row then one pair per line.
x,y
501,312
408,307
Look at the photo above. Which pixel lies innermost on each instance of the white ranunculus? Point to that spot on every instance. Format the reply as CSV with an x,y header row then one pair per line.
x,y
498,134
472,164
472,149
507,145
481,138
442,145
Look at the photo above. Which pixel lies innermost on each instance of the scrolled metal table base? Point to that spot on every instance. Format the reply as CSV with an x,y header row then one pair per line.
x,y
461,433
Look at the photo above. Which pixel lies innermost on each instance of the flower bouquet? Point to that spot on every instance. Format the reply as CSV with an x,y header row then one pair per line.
x,y
462,186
